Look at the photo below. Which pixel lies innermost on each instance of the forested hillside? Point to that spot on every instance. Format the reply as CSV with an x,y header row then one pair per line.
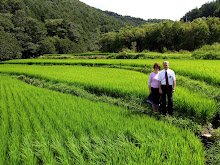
x,y
163,36
59,26
197,28
209,9
29,28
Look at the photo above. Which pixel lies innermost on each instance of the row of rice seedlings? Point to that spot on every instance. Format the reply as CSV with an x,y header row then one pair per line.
x,y
202,69
68,129
26,145
53,123
4,124
49,127
47,120
41,147
117,83
11,112
15,129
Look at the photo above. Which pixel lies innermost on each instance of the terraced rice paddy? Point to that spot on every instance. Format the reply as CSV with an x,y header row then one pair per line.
x,y
40,126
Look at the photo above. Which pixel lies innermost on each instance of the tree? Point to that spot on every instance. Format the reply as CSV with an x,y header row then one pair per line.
x,y
214,28
5,22
65,46
10,48
29,32
217,12
200,31
209,9
47,46
109,42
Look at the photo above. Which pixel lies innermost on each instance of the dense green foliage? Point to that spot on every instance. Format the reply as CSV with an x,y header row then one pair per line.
x,y
209,9
39,126
163,36
48,27
57,26
10,48
208,52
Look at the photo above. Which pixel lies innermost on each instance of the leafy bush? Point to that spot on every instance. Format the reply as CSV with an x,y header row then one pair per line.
x,y
210,55
208,52
124,55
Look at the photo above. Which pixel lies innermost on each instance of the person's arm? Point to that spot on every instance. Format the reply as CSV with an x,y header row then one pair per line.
x,y
174,85
159,79
160,90
149,83
174,82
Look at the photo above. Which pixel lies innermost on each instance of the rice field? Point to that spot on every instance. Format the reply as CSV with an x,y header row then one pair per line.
x,y
40,126
117,83
204,70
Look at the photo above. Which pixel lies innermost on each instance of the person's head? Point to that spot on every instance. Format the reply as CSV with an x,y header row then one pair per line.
x,y
156,66
166,65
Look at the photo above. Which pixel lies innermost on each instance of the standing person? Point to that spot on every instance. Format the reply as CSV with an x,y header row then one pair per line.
x,y
154,96
167,83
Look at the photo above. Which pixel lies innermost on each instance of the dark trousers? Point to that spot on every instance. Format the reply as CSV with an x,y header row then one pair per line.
x,y
167,91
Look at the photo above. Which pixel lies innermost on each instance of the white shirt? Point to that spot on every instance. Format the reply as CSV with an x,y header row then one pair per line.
x,y
170,74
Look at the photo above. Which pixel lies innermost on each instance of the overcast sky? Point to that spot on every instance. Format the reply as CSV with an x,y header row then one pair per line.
x,y
148,9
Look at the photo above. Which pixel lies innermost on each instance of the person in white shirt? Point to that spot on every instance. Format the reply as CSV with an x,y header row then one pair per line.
x,y
167,84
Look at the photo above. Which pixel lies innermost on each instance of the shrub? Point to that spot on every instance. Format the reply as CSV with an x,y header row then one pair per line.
x,y
210,55
208,52
124,55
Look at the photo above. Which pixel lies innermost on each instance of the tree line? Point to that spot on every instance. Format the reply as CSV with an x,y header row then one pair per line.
x,y
163,36
209,9
29,28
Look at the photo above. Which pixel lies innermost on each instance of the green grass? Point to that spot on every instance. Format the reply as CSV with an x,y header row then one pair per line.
x,y
79,54
117,83
47,127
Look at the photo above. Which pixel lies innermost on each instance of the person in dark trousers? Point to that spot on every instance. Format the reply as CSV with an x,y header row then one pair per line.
x,y
167,84
154,97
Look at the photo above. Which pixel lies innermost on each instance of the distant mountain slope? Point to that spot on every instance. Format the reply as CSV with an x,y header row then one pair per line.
x,y
210,9
56,26
79,13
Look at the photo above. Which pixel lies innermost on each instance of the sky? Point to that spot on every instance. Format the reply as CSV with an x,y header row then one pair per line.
x,y
148,9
